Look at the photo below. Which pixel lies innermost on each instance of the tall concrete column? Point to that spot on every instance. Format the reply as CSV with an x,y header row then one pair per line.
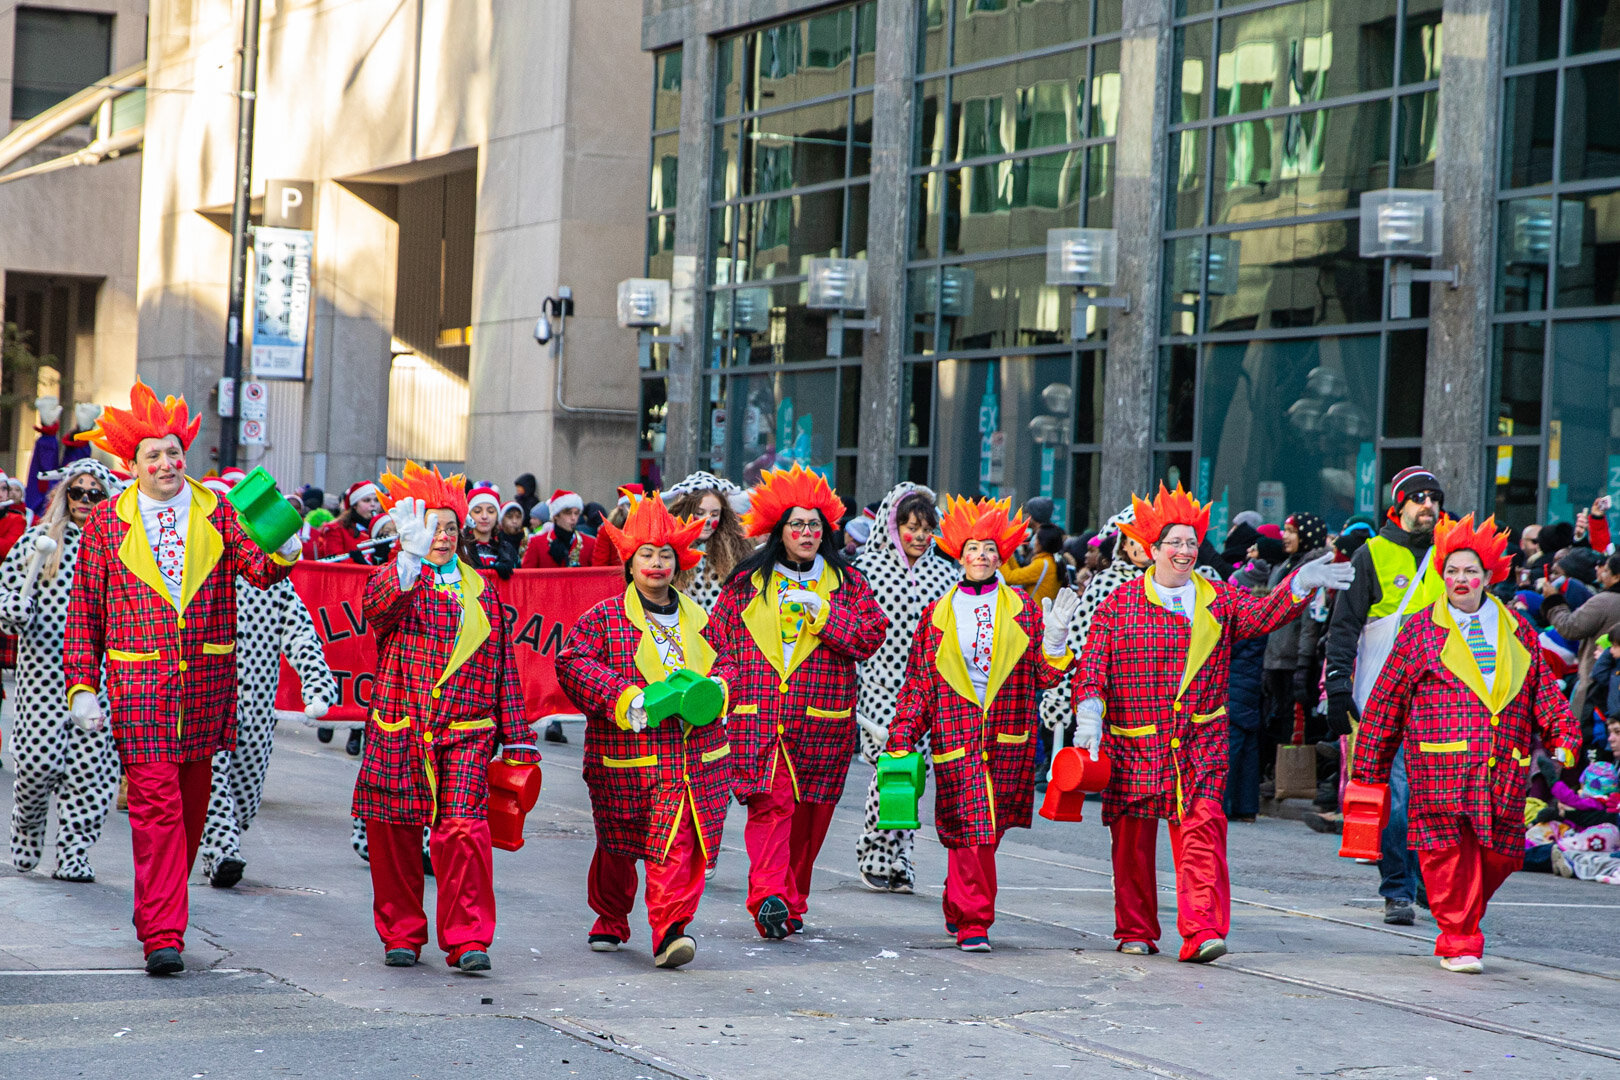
x,y
1132,365
683,422
1459,353
887,245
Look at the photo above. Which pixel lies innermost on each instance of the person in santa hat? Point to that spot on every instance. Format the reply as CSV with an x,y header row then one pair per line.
x,y
154,598
1156,663
658,794
559,544
14,516
483,543
344,534
789,628
1466,692
446,695
981,656
604,554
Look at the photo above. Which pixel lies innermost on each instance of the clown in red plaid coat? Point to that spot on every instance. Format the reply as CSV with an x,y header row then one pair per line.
x,y
981,657
155,595
447,694
1156,664
1467,691
658,793
789,628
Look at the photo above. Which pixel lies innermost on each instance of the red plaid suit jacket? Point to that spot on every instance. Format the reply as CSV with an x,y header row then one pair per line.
x,y
171,675
1463,761
984,763
809,713
430,737
1134,660
640,784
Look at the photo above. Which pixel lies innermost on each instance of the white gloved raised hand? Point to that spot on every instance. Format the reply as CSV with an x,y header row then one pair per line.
x,y
415,537
1088,718
1059,614
810,600
315,708
637,713
879,733
1322,573
86,711
292,549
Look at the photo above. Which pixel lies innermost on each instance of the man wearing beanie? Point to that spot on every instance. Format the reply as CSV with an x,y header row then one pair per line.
x,y
1393,580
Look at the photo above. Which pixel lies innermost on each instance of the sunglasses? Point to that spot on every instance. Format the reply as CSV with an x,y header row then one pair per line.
x,y
88,495
1433,498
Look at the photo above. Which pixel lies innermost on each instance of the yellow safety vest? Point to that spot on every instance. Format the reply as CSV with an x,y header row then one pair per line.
x,y
1395,566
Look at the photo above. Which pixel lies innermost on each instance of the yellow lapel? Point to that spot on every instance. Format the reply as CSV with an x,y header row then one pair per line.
x,y
474,623
1010,645
204,545
763,618
1206,629
1512,658
692,620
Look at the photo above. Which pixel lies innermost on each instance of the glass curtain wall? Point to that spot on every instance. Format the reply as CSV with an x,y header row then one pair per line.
x,y
1554,417
1016,111
792,154
662,191
1283,383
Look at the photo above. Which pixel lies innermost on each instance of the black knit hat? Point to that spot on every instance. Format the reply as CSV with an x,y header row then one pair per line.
x,y
1312,530
1408,482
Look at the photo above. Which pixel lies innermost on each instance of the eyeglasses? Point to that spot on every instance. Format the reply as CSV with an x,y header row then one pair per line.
x,y
88,495
804,528
1179,545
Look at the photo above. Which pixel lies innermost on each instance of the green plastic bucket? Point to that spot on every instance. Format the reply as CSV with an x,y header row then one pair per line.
x,y
267,518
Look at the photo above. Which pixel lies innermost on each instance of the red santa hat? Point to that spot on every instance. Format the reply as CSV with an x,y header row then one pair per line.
x,y
629,490
217,485
359,490
483,493
513,506
564,500
232,475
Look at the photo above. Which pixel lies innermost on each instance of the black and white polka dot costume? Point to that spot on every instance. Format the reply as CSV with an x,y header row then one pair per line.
x,y
902,591
1057,710
52,757
270,623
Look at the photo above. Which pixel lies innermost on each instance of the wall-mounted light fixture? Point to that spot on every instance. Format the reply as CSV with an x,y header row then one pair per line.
x,y
839,285
1403,224
1084,258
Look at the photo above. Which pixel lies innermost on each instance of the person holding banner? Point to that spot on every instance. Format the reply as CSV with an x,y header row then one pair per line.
x,y
981,656
154,596
659,787
446,693
789,628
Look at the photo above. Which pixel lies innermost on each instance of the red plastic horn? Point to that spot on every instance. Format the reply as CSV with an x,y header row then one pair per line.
x,y
1075,774
1366,812
513,791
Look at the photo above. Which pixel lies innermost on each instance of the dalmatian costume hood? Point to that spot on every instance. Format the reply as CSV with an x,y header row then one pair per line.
x,y
705,585
50,754
1056,707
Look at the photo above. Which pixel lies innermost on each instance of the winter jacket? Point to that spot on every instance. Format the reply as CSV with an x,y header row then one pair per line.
x,y
1039,577
1582,624
1293,645
1350,607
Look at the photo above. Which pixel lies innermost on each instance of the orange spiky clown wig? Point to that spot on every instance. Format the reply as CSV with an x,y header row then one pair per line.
x,y
1490,545
436,492
780,490
650,522
980,519
1167,508
120,431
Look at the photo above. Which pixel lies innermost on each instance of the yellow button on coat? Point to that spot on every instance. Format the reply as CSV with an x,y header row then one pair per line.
x,y
427,736
1174,743
781,729
1496,721
181,622
436,692
182,665
1175,706
1491,763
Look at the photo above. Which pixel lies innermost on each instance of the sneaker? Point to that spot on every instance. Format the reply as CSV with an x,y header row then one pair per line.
x,y
1463,965
1136,948
1322,822
356,737
604,942
400,958
1213,949
227,872
980,943
875,882
324,734
900,883
795,925
676,950
772,919
1268,789
164,962
1561,864
473,960
950,928
1399,913
554,732
1328,750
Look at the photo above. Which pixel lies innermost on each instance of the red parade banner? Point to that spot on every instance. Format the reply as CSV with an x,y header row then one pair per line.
x,y
541,606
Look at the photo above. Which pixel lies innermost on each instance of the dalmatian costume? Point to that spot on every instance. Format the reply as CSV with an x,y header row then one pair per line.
x,y
52,756
705,585
902,592
270,623
1057,710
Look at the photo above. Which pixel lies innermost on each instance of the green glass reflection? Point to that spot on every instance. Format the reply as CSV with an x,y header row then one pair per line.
x,y
774,421
1300,163
1298,275
989,29
1524,246
1303,52
667,90
1012,204
666,160
929,127
1005,304
1589,249
1594,25
1529,119
1421,51
1532,30
1021,106
1585,448
780,236
1591,142
1418,142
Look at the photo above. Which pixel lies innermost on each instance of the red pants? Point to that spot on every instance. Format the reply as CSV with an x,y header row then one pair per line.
x,y
1203,890
783,837
970,889
463,866
674,886
168,806
1461,880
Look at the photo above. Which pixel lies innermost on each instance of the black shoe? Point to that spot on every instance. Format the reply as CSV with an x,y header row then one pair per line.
x,y
876,882
554,732
676,949
324,734
356,738
1322,822
1399,913
227,872
1328,750
474,960
795,925
604,942
400,958
772,920
164,962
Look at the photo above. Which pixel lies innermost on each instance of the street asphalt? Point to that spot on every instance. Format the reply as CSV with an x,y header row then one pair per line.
x,y
285,975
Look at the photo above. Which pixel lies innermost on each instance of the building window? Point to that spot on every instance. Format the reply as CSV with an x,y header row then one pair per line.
x,y
1015,116
662,196
55,55
1283,384
792,153
1555,380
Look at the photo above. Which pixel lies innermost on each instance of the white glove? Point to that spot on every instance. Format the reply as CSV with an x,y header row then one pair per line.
x,y
315,708
810,600
290,550
1059,614
879,733
415,538
86,711
1322,573
1088,718
637,713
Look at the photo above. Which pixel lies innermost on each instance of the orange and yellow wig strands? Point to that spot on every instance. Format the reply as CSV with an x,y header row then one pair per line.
x,y
981,519
780,490
1485,541
1167,508
120,431
436,492
650,522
